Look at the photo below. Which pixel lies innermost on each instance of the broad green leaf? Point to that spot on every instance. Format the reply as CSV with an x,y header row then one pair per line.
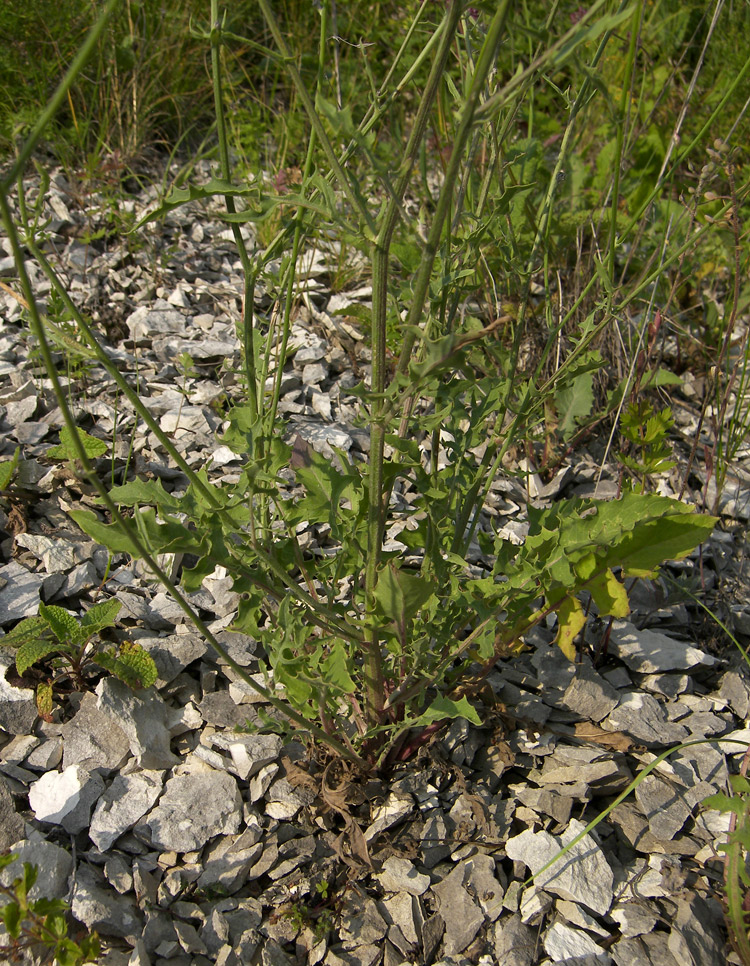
x,y
69,953
725,803
67,451
90,948
603,274
49,907
109,535
57,925
608,592
244,428
570,619
26,880
267,204
335,669
325,486
574,403
11,914
660,377
670,538
144,492
34,651
400,596
194,192
443,707
8,468
29,629
101,615
132,665
62,623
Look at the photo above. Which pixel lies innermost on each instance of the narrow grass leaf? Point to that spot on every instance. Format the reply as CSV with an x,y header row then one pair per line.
x,y
8,468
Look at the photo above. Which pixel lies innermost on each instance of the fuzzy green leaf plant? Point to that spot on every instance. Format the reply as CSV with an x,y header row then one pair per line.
x,y
58,640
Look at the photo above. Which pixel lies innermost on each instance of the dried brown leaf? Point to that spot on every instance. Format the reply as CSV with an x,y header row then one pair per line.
x,y
614,740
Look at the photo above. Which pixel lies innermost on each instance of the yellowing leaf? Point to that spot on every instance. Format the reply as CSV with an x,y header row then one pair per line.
x,y
570,620
609,595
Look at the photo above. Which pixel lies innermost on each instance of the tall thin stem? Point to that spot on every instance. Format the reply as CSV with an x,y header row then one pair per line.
x,y
380,255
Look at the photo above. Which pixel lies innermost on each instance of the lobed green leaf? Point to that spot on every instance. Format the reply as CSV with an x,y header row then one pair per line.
x,y
66,450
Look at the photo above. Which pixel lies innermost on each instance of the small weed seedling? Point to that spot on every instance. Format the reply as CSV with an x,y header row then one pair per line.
x,y
647,433
56,636
65,450
39,922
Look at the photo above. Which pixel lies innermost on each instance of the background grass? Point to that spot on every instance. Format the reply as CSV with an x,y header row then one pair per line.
x,y
146,93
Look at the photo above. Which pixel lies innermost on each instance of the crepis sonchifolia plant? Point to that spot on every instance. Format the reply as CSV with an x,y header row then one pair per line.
x,y
377,644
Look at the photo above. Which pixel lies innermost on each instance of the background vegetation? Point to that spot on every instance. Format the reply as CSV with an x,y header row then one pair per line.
x,y
147,92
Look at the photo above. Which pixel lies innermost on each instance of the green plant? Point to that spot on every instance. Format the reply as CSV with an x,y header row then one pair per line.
x,y
647,432
736,850
31,923
316,914
66,450
8,469
375,652
58,638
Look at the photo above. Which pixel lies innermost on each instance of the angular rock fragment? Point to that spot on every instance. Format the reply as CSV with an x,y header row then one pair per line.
x,y
93,737
126,800
361,923
463,918
66,797
695,939
664,806
649,652
399,875
641,716
54,864
634,917
11,823
589,695
192,810
581,875
247,753
101,909
565,944
145,719
19,593
515,943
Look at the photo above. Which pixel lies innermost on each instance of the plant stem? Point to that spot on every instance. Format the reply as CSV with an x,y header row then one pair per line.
x,y
253,390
